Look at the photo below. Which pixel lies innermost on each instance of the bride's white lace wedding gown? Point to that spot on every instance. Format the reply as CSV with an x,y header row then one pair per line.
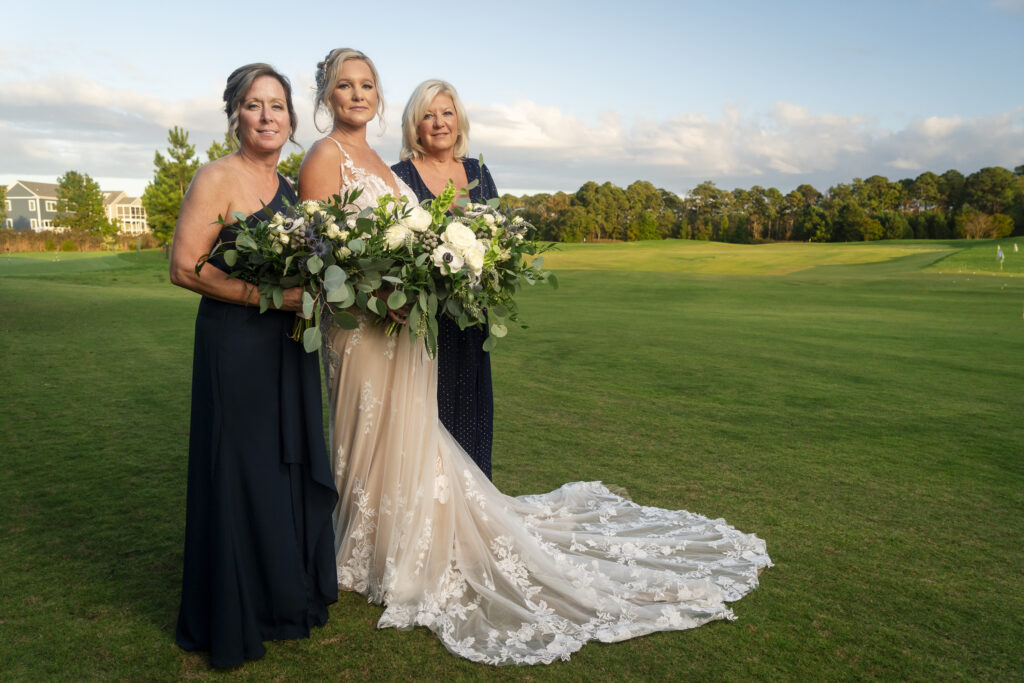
x,y
501,580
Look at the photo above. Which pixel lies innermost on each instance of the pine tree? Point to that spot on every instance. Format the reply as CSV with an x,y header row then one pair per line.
x,y
289,167
221,149
162,197
80,204
3,206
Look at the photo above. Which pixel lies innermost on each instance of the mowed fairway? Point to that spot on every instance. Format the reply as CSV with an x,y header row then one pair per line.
x,y
857,406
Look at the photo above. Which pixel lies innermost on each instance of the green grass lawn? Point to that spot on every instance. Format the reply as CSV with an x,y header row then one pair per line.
x,y
857,406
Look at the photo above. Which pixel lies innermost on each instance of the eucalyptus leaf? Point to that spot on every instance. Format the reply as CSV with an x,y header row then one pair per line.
x,y
278,294
348,300
238,216
376,305
311,339
489,343
552,280
499,330
243,239
537,263
264,303
452,307
494,203
357,246
498,311
422,259
346,320
472,185
392,279
339,293
314,264
231,257
396,300
334,277
307,305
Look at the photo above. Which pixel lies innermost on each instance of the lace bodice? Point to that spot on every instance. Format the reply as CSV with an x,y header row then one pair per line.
x,y
373,185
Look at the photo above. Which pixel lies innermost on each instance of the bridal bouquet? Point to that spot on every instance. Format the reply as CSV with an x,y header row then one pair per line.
x,y
417,261
468,265
302,246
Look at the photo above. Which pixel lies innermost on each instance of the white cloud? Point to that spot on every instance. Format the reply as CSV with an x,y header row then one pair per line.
x,y
782,147
1011,6
49,126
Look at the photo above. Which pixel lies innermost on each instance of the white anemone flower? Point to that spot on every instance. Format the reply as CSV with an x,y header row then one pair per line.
x,y
447,259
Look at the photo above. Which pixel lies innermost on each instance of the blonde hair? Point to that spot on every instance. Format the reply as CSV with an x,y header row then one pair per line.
x,y
415,109
240,82
327,75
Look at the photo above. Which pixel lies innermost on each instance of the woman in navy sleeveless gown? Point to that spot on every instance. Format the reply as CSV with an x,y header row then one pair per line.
x,y
435,136
259,546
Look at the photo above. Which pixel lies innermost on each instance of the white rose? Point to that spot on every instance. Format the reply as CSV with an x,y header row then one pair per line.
x,y
459,236
343,235
488,219
310,207
342,252
333,232
285,238
396,235
475,260
418,220
278,248
277,221
447,259
517,220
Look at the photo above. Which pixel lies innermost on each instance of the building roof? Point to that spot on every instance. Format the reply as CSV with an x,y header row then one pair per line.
x,y
40,189
112,197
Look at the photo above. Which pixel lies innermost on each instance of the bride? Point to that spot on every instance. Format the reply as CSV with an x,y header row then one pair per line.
x,y
420,529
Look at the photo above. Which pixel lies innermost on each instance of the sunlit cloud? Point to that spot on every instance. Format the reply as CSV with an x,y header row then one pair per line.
x,y
49,126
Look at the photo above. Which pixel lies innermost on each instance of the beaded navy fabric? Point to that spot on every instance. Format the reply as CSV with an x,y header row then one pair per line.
x,y
465,402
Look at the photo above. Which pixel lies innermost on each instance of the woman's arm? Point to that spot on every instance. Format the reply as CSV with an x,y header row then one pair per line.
x,y
320,173
195,234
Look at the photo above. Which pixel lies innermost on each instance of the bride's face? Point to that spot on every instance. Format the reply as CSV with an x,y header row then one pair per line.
x,y
354,99
439,128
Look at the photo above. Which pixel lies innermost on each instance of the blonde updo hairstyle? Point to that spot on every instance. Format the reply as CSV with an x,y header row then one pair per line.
x,y
240,82
417,107
327,77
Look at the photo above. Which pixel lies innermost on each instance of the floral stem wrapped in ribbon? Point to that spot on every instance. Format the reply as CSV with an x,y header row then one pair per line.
x,y
468,264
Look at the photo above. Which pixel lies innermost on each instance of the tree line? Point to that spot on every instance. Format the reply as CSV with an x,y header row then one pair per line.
x,y
986,204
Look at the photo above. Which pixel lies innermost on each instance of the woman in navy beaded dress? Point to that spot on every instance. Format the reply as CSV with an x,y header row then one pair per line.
x,y
259,547
435,137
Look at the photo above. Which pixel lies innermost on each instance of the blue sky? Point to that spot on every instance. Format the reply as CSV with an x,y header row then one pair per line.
x,y
740,93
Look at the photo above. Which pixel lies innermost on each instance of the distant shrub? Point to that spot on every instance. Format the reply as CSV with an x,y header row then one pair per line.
x,y
52,240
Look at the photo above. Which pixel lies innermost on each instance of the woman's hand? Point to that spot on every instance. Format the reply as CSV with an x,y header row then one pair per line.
x,y
292,299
